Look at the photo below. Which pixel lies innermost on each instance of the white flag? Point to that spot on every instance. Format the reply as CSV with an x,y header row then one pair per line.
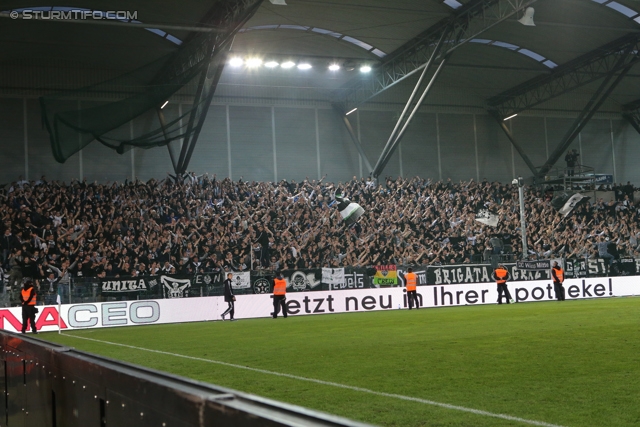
x,y
241,280
572,203
486,217
334,277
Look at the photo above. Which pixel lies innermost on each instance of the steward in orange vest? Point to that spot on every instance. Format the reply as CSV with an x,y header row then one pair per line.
x,y
558,277
411,280
501,274
279,295
29,310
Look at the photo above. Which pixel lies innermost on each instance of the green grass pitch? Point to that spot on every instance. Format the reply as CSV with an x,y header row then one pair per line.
x,y
575,363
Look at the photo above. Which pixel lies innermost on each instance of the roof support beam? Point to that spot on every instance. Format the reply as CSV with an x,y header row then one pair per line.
x,y
209,91
386,155
590,109
516,145
163,125
468,22
213,48
610,58
356,140
631,112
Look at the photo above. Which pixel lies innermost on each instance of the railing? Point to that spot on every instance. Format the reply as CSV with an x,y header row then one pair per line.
x,y
90,290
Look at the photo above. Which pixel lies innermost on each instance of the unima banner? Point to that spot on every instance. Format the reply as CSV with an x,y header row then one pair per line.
x,y
386,275
180,310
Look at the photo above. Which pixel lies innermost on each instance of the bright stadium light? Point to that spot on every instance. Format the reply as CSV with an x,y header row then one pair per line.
x,y
288,64
510,117
365,69
271,64
236,62
165,104
304,66
253,62
334,67
352,111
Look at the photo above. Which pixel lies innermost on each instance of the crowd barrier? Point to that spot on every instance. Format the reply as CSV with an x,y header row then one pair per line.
x,y
320,279
88,289
247,306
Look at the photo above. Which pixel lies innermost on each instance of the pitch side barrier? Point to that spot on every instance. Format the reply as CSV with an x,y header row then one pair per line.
x,y
47,385
325,279
179,310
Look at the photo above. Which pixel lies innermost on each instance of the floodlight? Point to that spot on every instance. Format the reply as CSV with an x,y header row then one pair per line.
x,y
271,64
304,66
334,67
365,69
236,62
253,62
288,64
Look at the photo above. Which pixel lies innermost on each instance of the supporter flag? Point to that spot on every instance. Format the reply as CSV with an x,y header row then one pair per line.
x,y
349,211
565,203
486,217
386,275
334,277
241,280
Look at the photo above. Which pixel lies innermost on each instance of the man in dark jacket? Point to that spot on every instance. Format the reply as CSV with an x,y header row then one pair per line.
x,y
229,298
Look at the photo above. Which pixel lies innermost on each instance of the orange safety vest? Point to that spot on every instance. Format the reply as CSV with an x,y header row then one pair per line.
x,y
279,287
411,281
27,293
501,276
559,274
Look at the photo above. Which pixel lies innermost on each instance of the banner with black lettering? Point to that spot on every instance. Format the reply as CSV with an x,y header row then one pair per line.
x,y
479,273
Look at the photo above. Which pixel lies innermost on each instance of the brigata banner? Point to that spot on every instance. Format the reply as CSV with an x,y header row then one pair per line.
x,y
479,273
198,309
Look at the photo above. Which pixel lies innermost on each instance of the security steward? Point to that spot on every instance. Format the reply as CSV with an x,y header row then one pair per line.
x,y
279,295
501,274
411,280
29,310
558,278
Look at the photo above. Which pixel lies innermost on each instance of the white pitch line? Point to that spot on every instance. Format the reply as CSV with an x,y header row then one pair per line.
x,y
332,384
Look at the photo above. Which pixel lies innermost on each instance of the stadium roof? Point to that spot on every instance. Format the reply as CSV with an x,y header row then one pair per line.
x,y
350,33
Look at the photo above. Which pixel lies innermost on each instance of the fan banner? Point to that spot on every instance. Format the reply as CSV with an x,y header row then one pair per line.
x,y
334,278
386,275
241,280
479,273
544,264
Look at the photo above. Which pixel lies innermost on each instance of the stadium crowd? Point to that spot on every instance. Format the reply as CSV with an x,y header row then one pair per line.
x,y
53,231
